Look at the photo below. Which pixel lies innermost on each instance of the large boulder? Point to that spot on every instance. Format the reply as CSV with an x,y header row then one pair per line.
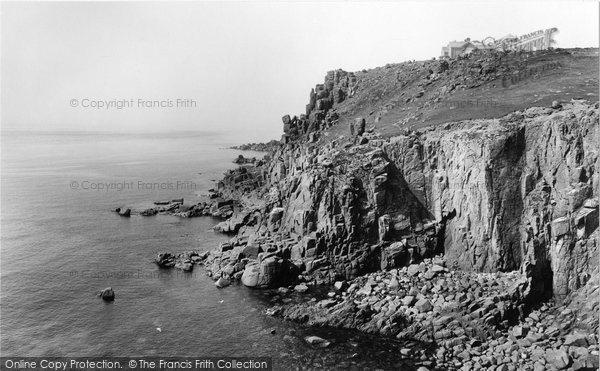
x,y
270,271
250,277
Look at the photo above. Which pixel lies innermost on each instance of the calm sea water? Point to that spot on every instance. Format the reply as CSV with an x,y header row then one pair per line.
x,y
61,244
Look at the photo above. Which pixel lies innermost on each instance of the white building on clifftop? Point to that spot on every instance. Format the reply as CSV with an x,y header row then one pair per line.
x,y
537,40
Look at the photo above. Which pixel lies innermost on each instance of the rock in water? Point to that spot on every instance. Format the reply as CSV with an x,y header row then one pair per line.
x,y
107,294
317,341
123,212
222,282
165,259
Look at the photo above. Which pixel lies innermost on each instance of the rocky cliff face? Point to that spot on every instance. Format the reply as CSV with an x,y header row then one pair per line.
x,y
471,225
514,193
492,195
521,190
559,225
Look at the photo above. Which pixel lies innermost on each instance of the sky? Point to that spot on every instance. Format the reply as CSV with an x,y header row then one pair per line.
x,y
236,67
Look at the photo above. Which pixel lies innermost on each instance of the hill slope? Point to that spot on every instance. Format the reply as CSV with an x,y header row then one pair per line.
x,y
411,95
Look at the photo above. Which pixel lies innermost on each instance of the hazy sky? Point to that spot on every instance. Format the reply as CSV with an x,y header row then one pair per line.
x,y
245,64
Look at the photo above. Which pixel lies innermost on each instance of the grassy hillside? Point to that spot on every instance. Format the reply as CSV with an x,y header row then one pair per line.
x,y
411,95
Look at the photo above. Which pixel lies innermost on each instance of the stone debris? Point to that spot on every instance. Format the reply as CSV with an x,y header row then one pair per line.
x,y
485,331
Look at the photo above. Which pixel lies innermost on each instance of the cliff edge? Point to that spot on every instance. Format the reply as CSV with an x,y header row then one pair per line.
x,y
480,170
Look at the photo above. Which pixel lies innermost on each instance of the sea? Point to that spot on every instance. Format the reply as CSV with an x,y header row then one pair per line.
x,y
62,242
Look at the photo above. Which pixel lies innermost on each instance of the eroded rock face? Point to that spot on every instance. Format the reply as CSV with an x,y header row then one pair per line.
x,y
334,202
515,193
559,229
470,177
320,115
512,192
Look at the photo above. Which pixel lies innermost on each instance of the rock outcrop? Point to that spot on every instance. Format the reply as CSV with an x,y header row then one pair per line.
x,y
518,192
494,220
123,212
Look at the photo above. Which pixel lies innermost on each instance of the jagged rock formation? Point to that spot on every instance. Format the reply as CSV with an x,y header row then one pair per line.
x,y
492,195
337,87
511,195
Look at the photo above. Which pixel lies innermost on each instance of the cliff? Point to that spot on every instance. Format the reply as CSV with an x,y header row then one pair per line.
x,y
425,175
492,194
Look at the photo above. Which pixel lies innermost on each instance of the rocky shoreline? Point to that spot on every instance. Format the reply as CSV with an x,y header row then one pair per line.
x,y
461,320
471,320
478,238
258,147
